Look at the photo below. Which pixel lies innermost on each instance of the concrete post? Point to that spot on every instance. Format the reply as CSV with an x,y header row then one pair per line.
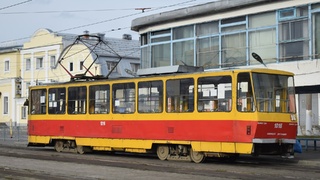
x,y
308,114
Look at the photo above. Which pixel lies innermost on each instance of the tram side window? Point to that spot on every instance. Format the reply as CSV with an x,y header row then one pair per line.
x,y
214,94
57,101
245,101
150,97
123,98
77,100
180,95
38,101
99,98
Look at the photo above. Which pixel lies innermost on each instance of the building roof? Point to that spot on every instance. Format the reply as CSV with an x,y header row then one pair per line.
x,y
8,49
194,11
110,47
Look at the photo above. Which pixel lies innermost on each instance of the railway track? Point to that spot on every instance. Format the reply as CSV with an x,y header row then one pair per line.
x,y
44,162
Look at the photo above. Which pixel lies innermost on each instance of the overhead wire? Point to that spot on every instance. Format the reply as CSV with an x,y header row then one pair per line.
x,y
17,4
108,20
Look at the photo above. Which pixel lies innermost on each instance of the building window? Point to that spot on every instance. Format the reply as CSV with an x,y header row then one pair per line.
x,y
134,67
286,13
294,34
262,37
233,24
183,32
262,20
81,65
183,53
208,52
5,105
6,65
207,28
145,57
161,36
316,35
39,63
24,112
161,55
28,64
294,43
263,42
52,61
112,66
144,39
233,49
71,66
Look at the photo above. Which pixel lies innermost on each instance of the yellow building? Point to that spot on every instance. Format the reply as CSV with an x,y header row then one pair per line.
x,y
10,86
50,57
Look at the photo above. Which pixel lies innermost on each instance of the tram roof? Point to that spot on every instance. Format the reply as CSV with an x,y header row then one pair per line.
x,y
179,69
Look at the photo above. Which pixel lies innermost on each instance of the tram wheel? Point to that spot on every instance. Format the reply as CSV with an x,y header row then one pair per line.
x,y
58,146
163,152
80,149
196,156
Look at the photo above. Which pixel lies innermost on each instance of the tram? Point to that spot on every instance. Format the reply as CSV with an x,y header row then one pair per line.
x,y
176,115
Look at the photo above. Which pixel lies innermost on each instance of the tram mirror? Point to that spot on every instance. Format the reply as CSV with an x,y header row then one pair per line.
x,y
26,103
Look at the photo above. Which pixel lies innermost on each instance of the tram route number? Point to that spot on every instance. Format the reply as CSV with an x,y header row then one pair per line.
x,y
278,125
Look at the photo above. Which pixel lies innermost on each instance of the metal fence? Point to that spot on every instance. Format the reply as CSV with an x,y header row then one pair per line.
x,y
15,133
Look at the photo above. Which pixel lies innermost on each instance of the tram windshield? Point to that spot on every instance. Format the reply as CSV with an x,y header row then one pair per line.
x,y
274,93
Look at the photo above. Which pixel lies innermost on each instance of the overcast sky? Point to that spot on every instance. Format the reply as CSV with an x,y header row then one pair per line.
x,y
19,19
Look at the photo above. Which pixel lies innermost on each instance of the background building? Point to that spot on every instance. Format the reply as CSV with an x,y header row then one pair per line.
x,y
36,62
10,83
224,34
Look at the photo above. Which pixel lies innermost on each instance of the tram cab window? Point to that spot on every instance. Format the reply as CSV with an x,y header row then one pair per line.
x,y
245,101
57,100
38,101
99,99
214,94
77,97
180,95
123,98
274,93
150,95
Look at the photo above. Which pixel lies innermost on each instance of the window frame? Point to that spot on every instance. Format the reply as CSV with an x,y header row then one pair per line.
x,y
39,63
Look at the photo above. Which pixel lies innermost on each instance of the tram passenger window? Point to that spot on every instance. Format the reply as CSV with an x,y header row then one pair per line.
x,y
245,102
180,95
123,98
77,97
99,98
150,97
214,94
57,101
38,101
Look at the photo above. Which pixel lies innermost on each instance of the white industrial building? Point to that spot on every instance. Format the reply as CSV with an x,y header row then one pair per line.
x,y
220,34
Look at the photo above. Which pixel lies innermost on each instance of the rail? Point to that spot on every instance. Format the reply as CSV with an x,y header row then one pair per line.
x,y
306,142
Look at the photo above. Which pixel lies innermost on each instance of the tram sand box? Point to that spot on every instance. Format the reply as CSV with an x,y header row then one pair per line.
x,y
181,115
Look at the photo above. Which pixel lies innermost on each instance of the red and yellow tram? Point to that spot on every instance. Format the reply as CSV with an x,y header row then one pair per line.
x,y
177,116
